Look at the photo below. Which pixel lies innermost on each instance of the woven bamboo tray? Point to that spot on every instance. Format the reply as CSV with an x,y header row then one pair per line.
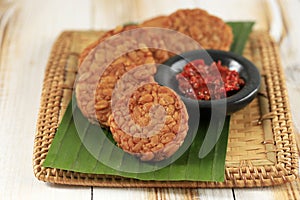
x,y
261,148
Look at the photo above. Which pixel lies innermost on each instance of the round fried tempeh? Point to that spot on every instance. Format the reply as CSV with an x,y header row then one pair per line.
x,y
102,67
156,125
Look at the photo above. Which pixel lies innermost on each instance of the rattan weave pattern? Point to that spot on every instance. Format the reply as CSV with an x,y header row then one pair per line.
x,y
261,148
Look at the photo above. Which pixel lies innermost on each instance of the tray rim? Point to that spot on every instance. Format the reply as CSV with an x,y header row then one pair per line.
x,y
235,176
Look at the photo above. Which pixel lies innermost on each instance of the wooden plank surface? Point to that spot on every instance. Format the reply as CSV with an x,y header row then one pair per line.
x,y
290,54
28,38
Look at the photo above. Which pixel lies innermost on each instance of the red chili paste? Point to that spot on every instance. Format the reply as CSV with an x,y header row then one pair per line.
x,y
203,82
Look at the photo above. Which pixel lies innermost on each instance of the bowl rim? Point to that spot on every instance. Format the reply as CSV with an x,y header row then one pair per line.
x,y
249,90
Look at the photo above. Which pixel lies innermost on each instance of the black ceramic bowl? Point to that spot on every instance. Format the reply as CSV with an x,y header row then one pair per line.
x,y
166,75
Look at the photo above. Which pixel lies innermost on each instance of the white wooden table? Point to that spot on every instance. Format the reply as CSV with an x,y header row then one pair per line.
x,y
27,32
